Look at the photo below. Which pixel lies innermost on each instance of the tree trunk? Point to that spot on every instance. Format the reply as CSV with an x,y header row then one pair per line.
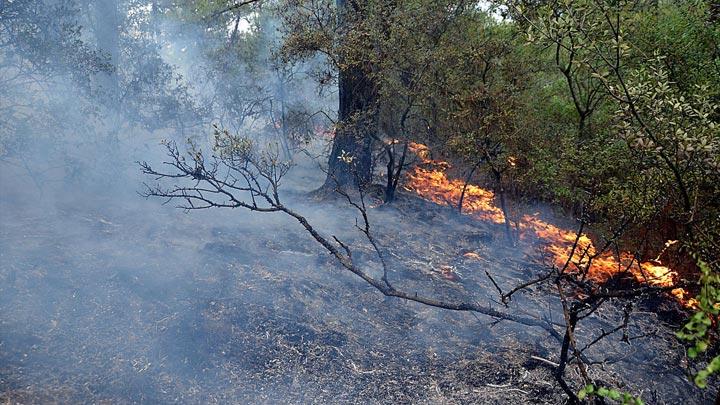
x,y
500,191
350,160
466,183
393,172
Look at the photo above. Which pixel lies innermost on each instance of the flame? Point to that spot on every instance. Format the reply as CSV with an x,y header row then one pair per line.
x,y
433,184
430,181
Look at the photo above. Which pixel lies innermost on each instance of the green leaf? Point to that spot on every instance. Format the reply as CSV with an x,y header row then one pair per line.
x,y
582,394
701,379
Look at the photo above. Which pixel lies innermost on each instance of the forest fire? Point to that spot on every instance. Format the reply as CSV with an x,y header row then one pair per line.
x,y
204,202
430,181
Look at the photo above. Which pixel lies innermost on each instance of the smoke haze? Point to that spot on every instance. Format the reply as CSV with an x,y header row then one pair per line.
x,y
108,297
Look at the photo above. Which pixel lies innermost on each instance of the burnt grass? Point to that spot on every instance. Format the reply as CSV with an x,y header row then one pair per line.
x,y
129,303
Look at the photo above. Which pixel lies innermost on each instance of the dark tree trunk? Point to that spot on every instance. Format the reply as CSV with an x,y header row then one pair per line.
x,y
350,160
394,172
466,183
564,358
500,191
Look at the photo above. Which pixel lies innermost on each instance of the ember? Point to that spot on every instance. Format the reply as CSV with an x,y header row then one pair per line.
x,y
430,181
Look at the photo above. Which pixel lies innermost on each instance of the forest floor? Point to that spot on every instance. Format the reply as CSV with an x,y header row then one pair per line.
x,y
123,301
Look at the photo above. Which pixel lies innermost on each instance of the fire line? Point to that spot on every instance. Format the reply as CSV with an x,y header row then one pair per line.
x,y
430,181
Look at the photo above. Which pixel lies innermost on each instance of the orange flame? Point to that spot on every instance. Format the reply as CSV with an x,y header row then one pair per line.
x,y
434,185
430,182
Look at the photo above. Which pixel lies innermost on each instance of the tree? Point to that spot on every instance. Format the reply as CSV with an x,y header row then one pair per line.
x,y
349,163
43,61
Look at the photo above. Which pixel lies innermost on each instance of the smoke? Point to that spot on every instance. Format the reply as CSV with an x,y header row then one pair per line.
x,y
105,296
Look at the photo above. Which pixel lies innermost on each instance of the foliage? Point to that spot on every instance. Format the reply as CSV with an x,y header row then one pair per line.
x,y
698,330
655,158
609,393
65,94
40,46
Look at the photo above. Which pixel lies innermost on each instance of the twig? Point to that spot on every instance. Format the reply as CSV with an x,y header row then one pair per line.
x,y
546,361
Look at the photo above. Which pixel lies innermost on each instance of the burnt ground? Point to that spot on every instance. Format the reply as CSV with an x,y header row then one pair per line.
x,y
106,300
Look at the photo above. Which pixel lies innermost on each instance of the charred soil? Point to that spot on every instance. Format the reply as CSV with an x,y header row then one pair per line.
x,y
112,305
